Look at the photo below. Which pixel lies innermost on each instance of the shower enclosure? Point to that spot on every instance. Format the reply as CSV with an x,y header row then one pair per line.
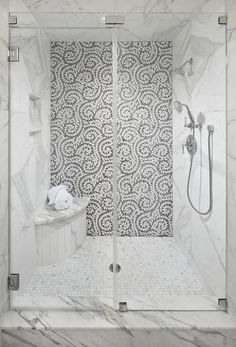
x,y
92,108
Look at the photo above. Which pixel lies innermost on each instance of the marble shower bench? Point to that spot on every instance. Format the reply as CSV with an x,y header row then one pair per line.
x,y
59,234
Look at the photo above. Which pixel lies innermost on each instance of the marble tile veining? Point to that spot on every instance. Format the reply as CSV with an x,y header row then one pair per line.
x,y
231,122
49,214
119,337
202,88
202,329
110,328
29,147
4,179
145,6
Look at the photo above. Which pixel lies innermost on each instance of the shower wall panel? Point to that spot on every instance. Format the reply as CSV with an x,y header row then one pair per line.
x,y
121,6
201,85
4,155
231,128
30,106
82,129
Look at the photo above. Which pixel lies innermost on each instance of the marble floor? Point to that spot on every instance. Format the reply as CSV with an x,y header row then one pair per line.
x,y
149,266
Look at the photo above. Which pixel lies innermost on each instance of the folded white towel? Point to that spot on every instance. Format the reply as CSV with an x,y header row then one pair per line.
x,y
59,198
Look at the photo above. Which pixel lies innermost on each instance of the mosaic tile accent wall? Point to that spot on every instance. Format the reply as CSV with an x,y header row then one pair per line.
x,y
81,132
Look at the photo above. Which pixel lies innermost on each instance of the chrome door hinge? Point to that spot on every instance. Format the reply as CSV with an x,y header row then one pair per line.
x,y
114,19
12,20
13,281
13,54
222,20
223,304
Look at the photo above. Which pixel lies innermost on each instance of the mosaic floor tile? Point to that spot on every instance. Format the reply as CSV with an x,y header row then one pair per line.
x,y
149,266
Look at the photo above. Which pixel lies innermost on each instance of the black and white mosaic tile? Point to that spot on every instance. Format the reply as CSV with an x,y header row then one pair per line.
x,y
82,130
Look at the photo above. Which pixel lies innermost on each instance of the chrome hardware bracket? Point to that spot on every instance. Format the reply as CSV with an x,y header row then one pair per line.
x,y
13,281
12,20
13,54
114,19
223,304
222,20
123,307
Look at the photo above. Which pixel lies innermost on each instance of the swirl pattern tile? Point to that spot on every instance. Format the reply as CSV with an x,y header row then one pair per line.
x,y
82,129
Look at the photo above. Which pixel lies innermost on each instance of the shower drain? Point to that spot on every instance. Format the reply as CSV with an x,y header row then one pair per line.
x,y
118,267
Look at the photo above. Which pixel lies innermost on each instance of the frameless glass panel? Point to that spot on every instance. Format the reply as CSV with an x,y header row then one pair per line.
x,y
102,111
171,162
61,134
60,20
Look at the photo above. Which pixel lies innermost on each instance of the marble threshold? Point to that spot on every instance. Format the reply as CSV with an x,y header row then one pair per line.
x,y
144,303
112,319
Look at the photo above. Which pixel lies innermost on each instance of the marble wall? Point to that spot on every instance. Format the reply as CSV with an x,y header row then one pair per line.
x,y
36,330
4,184
231,151
144,6
29,147
200,83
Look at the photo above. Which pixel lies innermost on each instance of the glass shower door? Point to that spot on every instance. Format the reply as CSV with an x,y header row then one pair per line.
x,y
61,134
171,257
92,109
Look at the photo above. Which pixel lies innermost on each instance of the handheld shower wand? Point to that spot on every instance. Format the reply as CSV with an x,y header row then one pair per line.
x,y
191,149
179,108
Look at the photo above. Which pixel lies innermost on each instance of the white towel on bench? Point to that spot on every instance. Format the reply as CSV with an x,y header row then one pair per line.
x,y
59,198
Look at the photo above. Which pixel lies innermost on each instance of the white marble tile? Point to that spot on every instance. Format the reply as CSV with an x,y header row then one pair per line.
x,y
181,208
211,325
107,327
70,6
231,12
172,274
49,215
202,87
118,337
59,240
107,317
231,128
202,63
4,122
144,6
79,280
29,146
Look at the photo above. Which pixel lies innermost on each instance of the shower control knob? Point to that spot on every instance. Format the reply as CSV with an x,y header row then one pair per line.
x,y
191,145
183,146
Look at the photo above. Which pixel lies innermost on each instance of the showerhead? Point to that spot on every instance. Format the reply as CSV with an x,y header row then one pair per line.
x,y
178,106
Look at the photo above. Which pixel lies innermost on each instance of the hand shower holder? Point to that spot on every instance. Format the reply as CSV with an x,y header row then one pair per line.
x,y
192,125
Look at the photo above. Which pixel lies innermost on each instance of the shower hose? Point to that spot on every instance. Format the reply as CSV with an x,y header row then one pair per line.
x,y
210,134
